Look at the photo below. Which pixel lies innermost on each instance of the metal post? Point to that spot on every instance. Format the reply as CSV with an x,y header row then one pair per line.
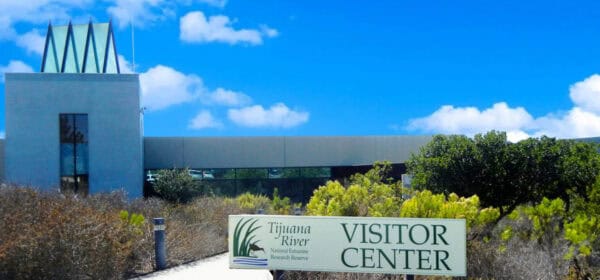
x,y
160,251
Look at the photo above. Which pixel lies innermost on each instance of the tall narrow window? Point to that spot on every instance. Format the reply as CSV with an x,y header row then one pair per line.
x,y
74,153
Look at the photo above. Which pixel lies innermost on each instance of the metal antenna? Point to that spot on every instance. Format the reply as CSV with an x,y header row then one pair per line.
x,y
132,47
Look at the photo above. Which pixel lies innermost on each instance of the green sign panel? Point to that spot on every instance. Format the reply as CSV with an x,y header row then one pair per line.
x,y
348,244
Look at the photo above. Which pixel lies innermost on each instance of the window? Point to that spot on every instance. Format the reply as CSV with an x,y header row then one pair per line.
x,y
74,153
315,172
250,173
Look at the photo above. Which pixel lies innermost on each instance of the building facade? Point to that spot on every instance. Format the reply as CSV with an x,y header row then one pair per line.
x,y
77,125
79,131
294,165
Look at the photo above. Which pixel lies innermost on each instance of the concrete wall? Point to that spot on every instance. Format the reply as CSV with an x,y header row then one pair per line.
x,y
248,152
112,102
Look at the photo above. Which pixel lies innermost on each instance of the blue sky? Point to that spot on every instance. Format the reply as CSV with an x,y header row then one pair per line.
x,y
247,68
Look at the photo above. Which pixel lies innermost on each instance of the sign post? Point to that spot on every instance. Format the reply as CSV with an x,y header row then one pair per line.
x,y
348,244
160,251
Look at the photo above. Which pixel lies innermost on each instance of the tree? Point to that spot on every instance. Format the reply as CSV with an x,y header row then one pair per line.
x,y
464,166
175,185
505,174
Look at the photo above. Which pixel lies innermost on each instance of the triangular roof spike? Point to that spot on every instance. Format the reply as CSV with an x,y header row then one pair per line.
x,y
70,64
111,52
80,34
83,48
90,56
94,50
46,44
50,60
106,49
65,49
114,45
59,34
54,52
110,55
100,36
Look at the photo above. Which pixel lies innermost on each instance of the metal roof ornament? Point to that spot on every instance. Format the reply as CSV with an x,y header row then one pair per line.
x,y
80,48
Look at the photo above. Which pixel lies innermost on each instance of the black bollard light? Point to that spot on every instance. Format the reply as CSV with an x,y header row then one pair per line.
x,y
160,250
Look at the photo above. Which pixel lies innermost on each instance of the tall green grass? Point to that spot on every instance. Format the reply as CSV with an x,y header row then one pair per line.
x,y
242,249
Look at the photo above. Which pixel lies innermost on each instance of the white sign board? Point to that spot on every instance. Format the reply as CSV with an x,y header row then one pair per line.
x,y
348,244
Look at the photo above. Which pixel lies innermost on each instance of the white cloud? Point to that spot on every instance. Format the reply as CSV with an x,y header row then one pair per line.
x,y
15,66
164,86
32,41
470,120
38,11
279,115
194,27
214,3
586,94
228,98
577,123
6,29
146,12
204,119
140,12
269,32
124,65
516,135
582,120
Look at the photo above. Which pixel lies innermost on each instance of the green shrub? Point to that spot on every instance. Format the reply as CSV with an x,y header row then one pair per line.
x,y
251,203
370,194
176,185
281,205
569,237
425,204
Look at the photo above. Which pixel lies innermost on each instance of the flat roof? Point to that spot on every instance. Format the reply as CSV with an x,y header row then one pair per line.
x,y
277,151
